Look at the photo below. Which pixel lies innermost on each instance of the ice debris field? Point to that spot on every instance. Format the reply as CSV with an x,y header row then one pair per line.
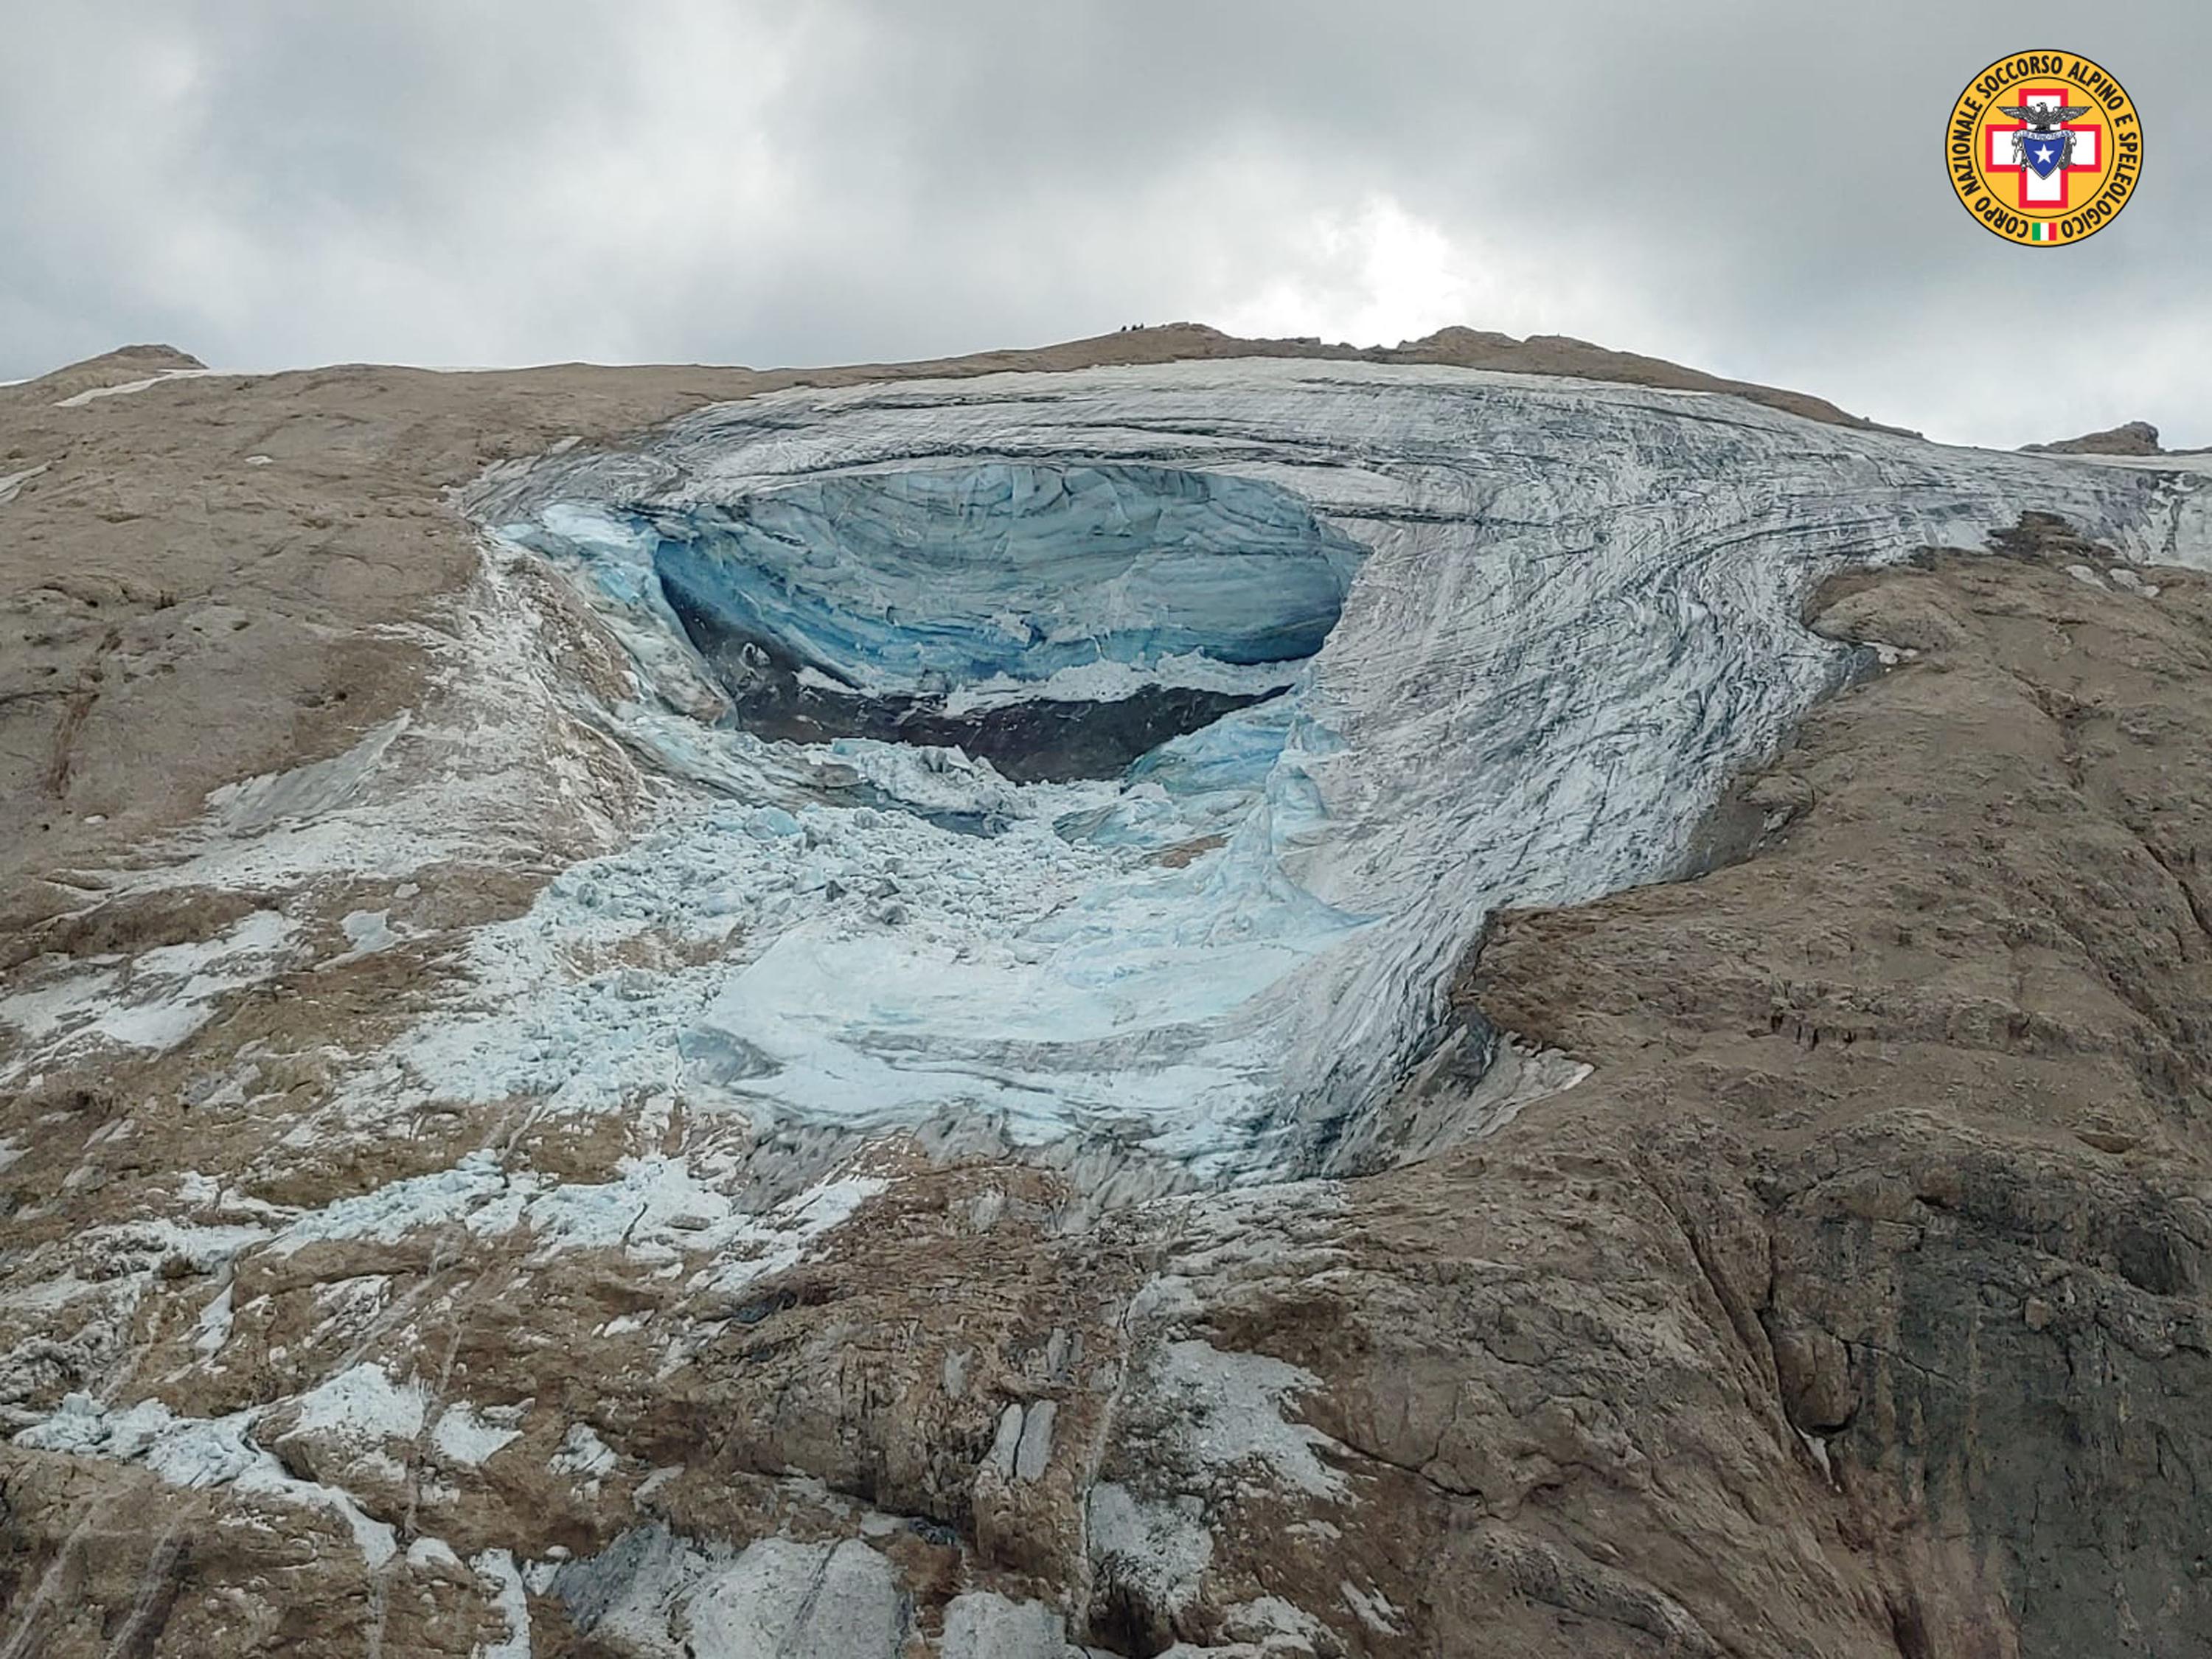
x,y
1129,756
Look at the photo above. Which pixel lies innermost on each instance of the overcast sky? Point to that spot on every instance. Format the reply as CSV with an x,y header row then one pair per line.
x,y
1755,188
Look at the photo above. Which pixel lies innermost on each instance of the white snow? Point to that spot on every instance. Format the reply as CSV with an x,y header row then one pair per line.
x,y
364,1403
199,1452
475,777
497,1568
60,1005
658,1208
583,1456
389,1213
367,931
463,1437
1229,1408
1160,1545
1033,1454
131,388
658,1596
261,803
1006,1443
1265,1619
1371,1608
1115,681
15,481
155,1001
428,1552
214,1325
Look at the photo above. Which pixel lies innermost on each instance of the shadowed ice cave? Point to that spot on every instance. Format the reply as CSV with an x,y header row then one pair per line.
x,y
1057,622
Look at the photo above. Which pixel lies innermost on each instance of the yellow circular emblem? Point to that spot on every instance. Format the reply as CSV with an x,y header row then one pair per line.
x,y
2044,148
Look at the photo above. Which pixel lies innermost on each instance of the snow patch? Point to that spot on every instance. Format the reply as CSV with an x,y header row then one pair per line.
x,y
661,1596
214,1325
497,1569
1159,1548
464,1438
657,1208
477,776
15,481
255,805
367,931
1229,1410
153,1003
131,388
364,1404
391,1212
583,1457
197,1453
428,1552
1371,1608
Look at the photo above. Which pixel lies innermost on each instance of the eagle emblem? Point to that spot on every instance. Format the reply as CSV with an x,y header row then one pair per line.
x,y
2043,144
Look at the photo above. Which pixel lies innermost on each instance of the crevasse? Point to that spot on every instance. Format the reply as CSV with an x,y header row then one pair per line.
x,y
1123,760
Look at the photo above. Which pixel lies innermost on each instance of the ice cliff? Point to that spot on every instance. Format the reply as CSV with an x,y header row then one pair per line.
x,y
1116,763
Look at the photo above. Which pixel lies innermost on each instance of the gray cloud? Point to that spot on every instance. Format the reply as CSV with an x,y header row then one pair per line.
x,y
1754,188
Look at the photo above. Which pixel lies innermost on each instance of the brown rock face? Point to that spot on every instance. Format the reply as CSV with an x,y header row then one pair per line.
x,y
1853,1304
2132,438
1940,1044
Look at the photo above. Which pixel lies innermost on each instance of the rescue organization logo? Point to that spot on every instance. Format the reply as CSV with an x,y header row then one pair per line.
x,y
2044,148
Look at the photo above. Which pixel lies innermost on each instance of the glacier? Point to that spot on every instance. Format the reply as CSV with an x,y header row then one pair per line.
x,y
1115,765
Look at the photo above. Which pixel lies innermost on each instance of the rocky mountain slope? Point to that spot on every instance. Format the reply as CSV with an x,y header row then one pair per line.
x,y
1174,994
2129,438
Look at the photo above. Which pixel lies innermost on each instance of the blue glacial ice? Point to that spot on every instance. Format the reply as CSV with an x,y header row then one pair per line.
x,y
1057,620
1008,574
1477,640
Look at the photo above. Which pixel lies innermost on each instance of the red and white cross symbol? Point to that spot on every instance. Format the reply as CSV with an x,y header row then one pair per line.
x,y
2035,190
